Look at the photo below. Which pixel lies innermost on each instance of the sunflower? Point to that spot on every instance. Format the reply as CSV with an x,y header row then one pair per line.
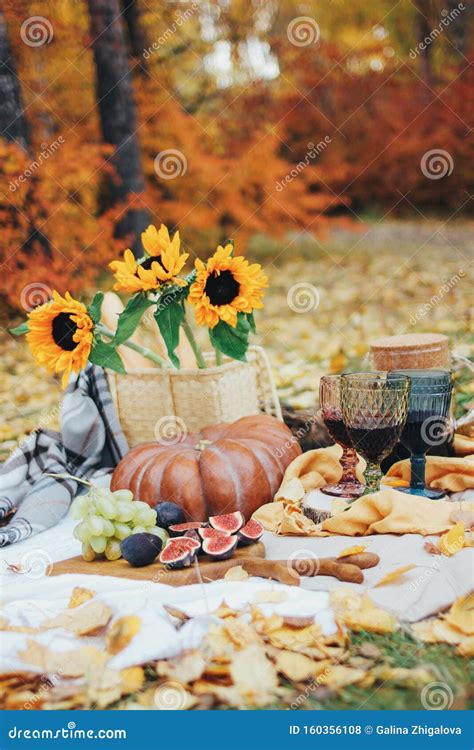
x,y
225,286
161,264
60,335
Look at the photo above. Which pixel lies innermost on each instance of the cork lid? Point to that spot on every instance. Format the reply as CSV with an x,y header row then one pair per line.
x,y
411,341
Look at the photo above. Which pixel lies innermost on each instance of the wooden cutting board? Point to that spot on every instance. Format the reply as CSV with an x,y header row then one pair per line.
x,y
156,572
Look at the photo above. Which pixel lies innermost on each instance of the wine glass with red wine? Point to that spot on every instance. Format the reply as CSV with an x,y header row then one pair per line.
x,y
427,423
374,410
330,402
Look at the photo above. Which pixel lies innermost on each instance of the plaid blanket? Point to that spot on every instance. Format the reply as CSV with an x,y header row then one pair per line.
x,y
91,443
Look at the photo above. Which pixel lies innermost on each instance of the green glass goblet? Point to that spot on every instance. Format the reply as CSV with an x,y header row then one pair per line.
x,y
374,410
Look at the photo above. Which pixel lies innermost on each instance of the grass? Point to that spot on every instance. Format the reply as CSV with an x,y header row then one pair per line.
x,y
401,650
398,649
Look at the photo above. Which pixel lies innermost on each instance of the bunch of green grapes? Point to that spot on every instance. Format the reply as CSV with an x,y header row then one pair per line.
x,y
107,518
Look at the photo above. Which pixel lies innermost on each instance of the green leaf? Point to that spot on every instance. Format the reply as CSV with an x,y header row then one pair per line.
x,y
95,307
130,318
20,330
105,355
169,315
251,321
232,341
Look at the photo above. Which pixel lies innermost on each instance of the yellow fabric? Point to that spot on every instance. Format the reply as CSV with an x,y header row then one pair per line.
x,y
285,519
392,512
383,512
463,444
315,469
451,474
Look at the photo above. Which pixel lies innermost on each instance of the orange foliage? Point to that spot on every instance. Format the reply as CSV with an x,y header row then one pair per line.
x,y
52,234
248,165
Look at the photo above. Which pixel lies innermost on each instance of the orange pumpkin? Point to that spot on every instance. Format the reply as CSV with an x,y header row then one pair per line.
x,y
221,469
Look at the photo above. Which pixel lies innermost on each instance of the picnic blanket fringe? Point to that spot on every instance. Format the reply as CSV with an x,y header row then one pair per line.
x,y
91,443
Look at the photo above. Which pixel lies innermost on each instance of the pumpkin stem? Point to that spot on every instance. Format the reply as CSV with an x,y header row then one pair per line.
x,y
202,444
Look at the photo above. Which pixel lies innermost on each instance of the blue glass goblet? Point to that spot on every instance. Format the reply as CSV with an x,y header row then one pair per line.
x,y
427,423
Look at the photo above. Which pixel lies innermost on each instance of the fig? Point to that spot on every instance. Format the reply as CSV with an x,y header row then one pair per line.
x,y
207,532
168,514
250,533
220,547
230,522
179,552
141,549
178,529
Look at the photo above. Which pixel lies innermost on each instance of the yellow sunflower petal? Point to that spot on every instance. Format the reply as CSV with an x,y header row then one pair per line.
x,y
151,240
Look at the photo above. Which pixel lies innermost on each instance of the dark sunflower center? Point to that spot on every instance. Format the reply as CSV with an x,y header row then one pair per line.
x,y
221,289
149,260
63,329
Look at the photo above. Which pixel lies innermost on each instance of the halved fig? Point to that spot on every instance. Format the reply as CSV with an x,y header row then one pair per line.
x,y
219,547
179,529
179,552
250,533
230,522
207,532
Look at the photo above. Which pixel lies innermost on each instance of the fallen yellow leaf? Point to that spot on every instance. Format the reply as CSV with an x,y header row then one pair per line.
x,y
395,482
437,631
453,540
132,679
461,614
73,663
84,620
394,575
354,550
79,596
294,666
121,632
187,668
296,639
466,647
240,633
360,613
338,676
254,676
236,574
224,611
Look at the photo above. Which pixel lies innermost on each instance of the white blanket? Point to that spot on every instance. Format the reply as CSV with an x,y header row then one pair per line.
x,y
30,598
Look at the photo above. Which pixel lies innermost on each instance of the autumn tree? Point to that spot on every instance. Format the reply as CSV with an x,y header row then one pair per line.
x,y
116,106
12,120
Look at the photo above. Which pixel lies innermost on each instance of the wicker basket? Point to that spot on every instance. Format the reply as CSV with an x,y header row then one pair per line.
x,y
160,404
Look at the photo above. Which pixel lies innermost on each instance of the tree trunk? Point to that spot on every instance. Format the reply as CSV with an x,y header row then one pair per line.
x,y
117,112
12,120
460,24
424,28
136,35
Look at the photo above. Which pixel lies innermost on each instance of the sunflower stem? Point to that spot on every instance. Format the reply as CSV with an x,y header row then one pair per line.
x,y
143,350
200,361
218,356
